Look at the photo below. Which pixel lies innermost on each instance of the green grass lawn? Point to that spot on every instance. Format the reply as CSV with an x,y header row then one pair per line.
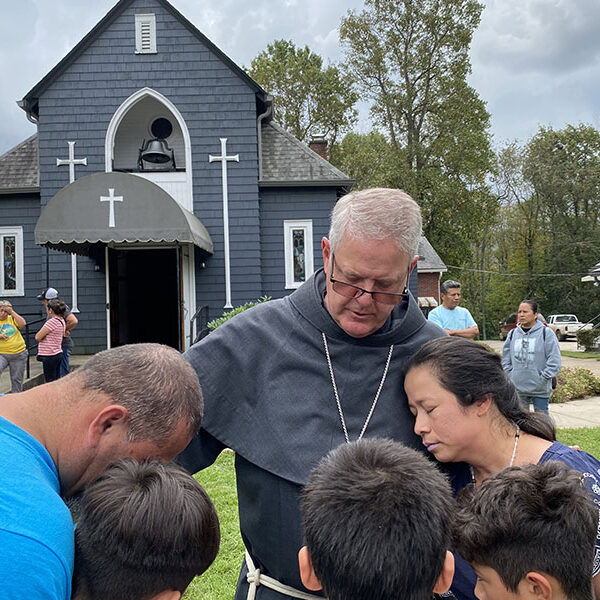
x,y
582,355
219,582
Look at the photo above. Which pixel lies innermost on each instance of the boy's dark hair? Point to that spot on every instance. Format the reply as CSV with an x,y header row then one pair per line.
x,y
377,522
143,527
532,518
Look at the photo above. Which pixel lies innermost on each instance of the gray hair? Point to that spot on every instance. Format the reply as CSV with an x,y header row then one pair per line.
x,y
448,285
157,386
377,214
5,303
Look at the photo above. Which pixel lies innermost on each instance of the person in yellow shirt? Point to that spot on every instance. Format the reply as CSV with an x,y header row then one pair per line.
x,y
13,353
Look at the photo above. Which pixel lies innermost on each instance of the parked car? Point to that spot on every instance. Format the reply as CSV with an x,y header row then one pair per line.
x,y
566,326
505,326
511,322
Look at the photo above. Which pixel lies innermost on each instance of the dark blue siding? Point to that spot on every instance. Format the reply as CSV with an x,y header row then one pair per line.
x,y
279,204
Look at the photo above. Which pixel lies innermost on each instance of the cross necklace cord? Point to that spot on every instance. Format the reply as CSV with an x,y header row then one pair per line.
x,y
337,398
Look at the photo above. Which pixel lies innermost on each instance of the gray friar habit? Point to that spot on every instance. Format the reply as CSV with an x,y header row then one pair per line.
x,y
268,395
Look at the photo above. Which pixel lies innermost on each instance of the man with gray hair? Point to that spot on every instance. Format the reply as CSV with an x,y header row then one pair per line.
x,y
290,379
452,318
138,401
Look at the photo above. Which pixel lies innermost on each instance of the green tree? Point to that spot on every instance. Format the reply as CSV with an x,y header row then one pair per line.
x,y
308,97
563,168
410,58
366,157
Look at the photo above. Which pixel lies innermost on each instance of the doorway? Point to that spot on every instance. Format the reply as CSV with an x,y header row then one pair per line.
x,y
145,296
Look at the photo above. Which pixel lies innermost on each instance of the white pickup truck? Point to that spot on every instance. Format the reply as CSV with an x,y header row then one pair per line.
x,y
565,326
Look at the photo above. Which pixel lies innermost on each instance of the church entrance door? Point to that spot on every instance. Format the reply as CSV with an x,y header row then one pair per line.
x,y
144,298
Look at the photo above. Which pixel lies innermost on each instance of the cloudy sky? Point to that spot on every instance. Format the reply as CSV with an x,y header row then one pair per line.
x,y
535,62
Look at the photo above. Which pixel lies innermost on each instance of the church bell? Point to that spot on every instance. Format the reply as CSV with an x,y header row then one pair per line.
x,y
155,151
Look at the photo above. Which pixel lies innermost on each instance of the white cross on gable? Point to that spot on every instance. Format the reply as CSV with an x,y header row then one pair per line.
x,y
224,159
112,199
71,161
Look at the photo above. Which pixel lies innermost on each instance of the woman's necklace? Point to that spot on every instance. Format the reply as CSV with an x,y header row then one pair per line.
x,y
512,458
337,398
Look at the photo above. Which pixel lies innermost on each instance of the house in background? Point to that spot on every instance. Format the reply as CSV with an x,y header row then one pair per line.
x,y
158,189
430,268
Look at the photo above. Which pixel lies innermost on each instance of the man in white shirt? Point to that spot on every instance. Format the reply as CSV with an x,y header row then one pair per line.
x,y
453,319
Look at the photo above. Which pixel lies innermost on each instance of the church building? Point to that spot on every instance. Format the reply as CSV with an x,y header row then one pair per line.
x,y
158,191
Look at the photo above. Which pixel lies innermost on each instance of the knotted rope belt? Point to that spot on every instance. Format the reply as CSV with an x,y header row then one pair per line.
x,y
256,578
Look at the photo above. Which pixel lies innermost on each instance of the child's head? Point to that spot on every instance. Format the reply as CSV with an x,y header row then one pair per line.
x,y
529,528
145,529
376,521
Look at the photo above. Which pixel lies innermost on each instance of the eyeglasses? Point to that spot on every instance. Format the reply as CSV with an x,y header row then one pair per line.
x,y
353,291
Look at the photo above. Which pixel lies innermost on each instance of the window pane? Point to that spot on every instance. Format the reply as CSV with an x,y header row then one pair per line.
x,y
299,255
10,262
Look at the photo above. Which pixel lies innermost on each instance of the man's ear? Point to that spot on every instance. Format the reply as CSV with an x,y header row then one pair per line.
x,y
537,586
307,574
167,595
414,262
444,581
326,249
109,418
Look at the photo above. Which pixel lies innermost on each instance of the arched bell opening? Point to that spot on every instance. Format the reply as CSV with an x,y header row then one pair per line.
x,y
149,138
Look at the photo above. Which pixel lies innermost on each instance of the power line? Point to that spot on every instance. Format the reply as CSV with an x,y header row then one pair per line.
x,y
507,274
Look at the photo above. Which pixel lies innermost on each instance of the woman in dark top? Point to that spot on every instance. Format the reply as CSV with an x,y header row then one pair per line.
x,y
467,410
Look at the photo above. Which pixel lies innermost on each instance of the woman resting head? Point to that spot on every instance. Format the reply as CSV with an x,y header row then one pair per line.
x,y
467,409
464,403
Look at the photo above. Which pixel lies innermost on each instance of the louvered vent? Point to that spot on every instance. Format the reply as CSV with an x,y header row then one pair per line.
x,y
145,34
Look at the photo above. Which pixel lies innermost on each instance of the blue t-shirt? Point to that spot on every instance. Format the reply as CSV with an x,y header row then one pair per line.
x,y
463,584
36,529
455,319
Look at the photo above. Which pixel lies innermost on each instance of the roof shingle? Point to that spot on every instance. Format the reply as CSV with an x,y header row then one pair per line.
x,y
429,259
19,167
286,160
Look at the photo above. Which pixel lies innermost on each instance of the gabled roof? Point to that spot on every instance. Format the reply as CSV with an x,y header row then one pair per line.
x,y
29,103
429,259
19,168
287,161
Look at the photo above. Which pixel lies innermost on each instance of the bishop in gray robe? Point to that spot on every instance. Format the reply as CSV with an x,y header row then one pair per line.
x,y
290,379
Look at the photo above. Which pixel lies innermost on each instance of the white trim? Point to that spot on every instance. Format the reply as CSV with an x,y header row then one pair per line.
x,y
107,278
288,227
145,34
113,126
74,307
17,233
189,290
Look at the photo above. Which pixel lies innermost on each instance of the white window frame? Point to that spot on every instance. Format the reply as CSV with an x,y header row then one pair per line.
x,y
149,21
288,241
17,232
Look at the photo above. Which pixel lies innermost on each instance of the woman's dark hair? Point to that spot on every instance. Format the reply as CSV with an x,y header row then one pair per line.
x,y
471,372
58,307
534,305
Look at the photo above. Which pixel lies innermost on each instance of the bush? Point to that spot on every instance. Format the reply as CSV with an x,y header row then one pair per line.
x,y
212,325
575,383
588,338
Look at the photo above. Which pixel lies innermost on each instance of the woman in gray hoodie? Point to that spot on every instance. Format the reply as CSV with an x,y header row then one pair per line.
x,y
531,357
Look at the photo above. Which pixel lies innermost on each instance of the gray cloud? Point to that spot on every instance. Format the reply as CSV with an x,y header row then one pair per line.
x,y
534,61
